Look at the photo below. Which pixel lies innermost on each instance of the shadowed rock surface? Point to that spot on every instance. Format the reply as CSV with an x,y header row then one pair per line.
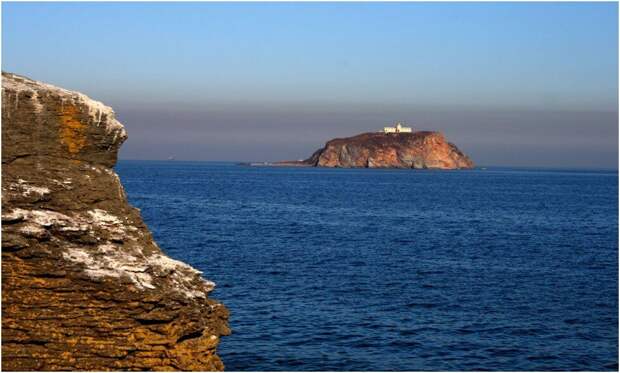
x,y
84,286
421,149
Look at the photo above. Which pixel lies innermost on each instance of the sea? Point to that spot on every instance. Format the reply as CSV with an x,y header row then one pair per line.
x,y
391,270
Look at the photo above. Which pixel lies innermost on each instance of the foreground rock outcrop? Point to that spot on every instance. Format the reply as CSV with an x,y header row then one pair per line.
x,y
421,149
84,286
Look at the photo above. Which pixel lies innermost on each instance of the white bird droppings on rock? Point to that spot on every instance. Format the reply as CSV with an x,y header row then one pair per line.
x,y
108,260
103,217
95,109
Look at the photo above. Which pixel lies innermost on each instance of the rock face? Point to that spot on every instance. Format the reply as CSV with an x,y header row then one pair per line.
x,y
84,286
421,149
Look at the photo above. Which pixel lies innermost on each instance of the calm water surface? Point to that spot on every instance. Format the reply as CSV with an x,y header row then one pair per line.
x,y
334,269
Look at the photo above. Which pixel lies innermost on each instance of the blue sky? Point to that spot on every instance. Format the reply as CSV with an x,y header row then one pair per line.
x,y
255,81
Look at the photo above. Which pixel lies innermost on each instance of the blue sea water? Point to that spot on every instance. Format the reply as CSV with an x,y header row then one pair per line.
x,y
358,269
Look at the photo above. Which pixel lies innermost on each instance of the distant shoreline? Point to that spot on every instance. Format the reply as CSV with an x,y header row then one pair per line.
x,y
488,167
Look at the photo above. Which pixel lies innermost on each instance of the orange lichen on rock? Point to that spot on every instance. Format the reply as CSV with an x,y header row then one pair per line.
x,y
72,129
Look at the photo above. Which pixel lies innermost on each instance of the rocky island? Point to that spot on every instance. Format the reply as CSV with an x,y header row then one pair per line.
x,y
84,286
389,148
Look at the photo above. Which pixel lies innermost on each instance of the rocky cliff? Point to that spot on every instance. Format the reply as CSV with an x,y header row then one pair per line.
x,y
421,149
84,286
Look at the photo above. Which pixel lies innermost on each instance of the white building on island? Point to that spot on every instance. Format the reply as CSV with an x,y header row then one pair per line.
x,y
399,128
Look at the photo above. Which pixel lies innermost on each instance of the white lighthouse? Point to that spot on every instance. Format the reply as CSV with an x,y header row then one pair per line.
x,y
399,128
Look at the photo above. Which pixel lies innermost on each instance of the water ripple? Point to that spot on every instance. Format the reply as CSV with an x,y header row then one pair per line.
x,y
395,270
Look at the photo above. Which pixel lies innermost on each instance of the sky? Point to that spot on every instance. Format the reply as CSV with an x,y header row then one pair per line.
x,y
511,84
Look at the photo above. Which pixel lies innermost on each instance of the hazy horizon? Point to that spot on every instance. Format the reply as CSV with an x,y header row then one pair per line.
x,y
511,84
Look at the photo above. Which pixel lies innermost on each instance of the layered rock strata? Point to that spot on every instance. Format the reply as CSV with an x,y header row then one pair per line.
x,y
84,286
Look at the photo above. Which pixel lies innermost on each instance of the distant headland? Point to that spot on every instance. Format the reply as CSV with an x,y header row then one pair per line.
x,y
394,147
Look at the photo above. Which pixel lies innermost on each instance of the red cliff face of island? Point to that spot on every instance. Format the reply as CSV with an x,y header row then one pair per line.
x,y
84,286
419,150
